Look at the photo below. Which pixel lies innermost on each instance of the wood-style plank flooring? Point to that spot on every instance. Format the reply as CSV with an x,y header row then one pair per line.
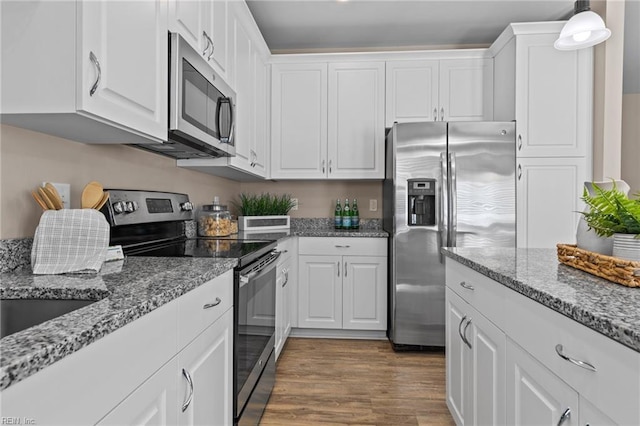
x,y
356,382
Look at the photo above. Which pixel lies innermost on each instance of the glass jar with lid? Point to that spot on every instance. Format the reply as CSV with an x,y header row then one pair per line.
x,y
214,220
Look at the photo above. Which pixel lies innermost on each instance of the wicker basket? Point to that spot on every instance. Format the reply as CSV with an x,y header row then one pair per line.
x,y
625,272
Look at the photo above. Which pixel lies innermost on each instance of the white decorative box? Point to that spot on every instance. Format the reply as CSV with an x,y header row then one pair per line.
x,y
263,223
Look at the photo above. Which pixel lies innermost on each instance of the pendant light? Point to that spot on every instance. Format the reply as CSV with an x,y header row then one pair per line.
x,y
584,29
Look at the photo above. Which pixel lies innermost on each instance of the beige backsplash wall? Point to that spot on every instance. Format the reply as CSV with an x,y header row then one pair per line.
x,y
28,158
318,198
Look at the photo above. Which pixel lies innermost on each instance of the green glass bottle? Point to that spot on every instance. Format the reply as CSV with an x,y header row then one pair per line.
x,y
337,215
355,215
346,215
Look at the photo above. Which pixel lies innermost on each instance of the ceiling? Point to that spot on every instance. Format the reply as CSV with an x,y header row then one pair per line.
x,y
332,25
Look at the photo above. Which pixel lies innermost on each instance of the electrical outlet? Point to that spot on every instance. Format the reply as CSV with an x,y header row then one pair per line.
x,y
295,204
64,189
373,205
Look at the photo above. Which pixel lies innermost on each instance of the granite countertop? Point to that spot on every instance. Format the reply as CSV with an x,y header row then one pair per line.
x,y
609,308
124,290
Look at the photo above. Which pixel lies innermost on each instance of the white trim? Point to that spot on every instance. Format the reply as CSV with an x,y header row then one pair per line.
x,y
323,333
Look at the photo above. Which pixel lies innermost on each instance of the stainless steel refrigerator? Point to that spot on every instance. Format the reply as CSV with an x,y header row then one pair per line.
x,y
447,184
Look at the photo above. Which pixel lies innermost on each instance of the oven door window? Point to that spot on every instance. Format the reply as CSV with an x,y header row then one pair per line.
x,y
256,321
203,104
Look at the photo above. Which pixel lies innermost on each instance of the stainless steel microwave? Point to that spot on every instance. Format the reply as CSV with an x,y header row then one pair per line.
x,y
201,107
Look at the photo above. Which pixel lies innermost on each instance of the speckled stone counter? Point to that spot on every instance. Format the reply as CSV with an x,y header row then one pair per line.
x,y
606,307
323,227
125,290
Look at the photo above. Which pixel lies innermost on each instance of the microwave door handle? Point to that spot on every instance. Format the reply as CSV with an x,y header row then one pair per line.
x,y
233,123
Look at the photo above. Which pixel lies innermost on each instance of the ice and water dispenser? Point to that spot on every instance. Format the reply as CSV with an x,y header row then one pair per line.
x,y
422,202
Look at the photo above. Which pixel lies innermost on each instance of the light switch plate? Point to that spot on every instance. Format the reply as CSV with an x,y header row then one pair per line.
x,y
373,205
64,189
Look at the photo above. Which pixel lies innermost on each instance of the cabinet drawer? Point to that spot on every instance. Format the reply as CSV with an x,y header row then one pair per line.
x,y
343,246
615,384
194,317
481,292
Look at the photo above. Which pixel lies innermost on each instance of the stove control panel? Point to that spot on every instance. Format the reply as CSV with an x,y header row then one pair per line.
x,y
128,207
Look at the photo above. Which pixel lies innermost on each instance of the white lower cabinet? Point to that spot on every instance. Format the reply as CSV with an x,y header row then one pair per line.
x,y
508,361
344,290
284,285
475,370
535,395
205,395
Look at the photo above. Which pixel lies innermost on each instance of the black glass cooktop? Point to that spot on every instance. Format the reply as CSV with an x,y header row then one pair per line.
x,y
244,250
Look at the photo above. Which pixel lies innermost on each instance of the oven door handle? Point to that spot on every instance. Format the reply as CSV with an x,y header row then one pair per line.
x,y
265,269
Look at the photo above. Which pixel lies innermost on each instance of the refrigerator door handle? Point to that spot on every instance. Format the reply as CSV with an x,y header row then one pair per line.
x,y
453,195
443,222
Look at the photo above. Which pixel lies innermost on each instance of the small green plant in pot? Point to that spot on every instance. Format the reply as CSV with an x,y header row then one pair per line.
x,y
612,213
263,212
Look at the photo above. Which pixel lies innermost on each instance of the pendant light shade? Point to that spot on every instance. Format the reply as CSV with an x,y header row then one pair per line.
x,y
584,29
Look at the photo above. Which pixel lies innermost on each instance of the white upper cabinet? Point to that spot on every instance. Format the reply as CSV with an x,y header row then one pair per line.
x,y
87,70
439,90
547,91
203,24
356,120
299,121
328,120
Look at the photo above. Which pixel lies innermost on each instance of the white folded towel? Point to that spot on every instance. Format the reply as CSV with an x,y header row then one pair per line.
x,y
70,240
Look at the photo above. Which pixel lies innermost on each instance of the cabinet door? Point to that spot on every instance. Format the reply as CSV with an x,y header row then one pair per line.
x,y
466,90
364,293
153,403
356,120
411,91
245,109
535,396
548,200
188,18
458,357
283,304
208,361
320,292
590,415
217,14
121,45
487,391
299,121
261,135
553,98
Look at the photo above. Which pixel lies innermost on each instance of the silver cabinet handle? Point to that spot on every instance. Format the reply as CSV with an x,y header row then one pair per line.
x,y
345,268
339,246
519,171
211,305
467,286
210,43
253,158
442,114
464,333
330,166
435,114
519,142
323,166
577,362
94,59
564,416
464,318
338,268
286,277
187,376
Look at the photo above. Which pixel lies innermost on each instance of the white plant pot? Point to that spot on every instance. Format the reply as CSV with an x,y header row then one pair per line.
x,y
263,223
626,246
587,239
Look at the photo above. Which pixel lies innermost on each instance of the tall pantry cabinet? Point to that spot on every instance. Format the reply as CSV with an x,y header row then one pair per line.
x,y
549,94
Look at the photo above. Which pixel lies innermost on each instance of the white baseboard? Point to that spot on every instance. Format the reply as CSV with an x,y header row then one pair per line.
x,y
324,333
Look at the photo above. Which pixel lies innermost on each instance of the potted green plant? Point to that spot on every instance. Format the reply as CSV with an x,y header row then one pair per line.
x,y
263,212
612,213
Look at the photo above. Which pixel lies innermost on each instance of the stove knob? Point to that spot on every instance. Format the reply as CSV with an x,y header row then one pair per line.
x,y
130,206
118,207
186,207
